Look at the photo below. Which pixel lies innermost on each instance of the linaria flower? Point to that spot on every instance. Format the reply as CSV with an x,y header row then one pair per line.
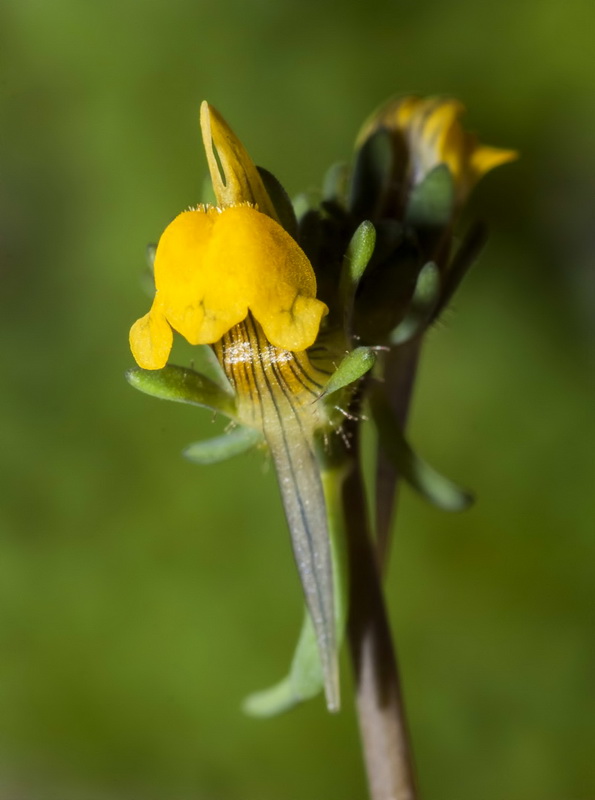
x,y
213,265
232,277
432,134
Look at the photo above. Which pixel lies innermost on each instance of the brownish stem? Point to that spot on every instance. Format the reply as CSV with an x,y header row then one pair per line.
x,y
379,700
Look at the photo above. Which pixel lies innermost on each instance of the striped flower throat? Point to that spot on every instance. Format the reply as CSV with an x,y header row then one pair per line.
x,y
273,386
278,391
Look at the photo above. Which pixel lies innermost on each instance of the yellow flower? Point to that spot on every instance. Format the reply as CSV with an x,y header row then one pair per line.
x,y
432,134
214,265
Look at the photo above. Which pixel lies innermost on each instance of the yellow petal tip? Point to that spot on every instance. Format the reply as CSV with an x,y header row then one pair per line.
x,y
151,340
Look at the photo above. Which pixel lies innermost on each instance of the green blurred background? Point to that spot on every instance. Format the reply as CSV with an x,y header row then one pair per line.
x,y
142,597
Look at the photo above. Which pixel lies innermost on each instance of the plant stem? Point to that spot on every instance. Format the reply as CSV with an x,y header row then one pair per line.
x,y
379,700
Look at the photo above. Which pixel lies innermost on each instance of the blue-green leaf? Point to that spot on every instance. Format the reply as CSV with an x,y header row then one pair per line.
x,y
440,491
303,682
422,306
220,448
182,386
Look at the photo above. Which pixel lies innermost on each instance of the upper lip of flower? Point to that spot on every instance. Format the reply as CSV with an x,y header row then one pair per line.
x,y
215,264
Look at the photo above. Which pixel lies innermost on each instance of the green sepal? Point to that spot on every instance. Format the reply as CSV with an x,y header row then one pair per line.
x,y
182,386
431,202
422,306
280,200
351,369
357,257
462,261
221,448
358,254
440,491
305,679
372,174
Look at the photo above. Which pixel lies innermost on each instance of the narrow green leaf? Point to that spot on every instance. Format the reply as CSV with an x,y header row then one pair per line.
x,y
440,491
182,386
421,308
351,369
431,202
220,448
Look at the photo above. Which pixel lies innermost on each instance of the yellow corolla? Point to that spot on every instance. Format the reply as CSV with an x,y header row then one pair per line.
x,y
432,134
214,265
